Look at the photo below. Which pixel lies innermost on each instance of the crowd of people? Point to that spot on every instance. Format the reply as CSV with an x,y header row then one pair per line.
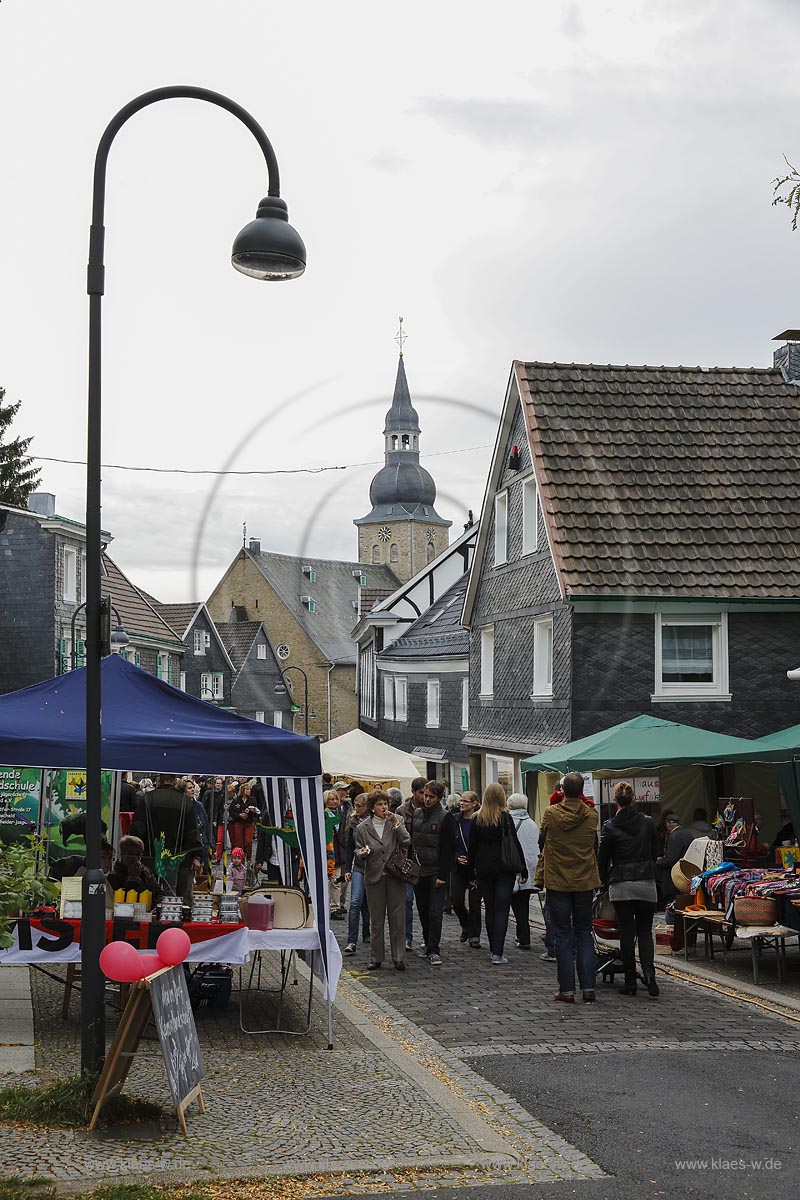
x,y
481,858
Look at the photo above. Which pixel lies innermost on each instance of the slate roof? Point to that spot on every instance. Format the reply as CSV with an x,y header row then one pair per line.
x,y
139,617
237,638
179,616
334,591
659,481
438,633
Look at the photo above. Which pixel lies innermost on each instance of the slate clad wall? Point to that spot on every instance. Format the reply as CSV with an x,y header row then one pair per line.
x,y
213,661
509,597
414,732
614,674
28,637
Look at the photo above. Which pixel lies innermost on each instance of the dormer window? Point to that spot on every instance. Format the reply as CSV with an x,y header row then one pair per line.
x,y
361,577
310,573
309,603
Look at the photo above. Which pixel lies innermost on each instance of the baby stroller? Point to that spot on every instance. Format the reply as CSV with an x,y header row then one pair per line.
x,y
605,931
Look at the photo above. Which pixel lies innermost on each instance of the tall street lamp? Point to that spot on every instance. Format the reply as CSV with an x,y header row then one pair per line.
x,y
281,689
267,248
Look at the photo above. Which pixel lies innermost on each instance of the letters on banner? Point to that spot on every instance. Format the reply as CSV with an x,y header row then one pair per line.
x,y
51,939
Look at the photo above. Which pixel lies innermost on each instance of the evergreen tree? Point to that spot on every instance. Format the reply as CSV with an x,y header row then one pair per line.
x,y
18,477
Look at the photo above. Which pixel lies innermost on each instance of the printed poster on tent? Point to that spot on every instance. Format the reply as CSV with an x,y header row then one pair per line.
x,y
20,789
65,810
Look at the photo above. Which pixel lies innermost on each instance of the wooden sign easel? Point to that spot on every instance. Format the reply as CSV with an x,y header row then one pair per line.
x,y
133,1022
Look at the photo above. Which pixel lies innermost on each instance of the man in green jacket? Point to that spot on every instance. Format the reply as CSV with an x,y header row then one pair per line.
x,y
568,842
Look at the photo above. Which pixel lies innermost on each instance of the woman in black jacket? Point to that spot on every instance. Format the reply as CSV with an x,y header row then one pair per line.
x,y
628,850
486,869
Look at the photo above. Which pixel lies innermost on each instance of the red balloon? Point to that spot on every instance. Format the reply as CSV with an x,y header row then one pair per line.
x,y
151,962
173,946
120,961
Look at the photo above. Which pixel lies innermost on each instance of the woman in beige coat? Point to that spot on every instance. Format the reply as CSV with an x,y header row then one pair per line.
x,y
377,839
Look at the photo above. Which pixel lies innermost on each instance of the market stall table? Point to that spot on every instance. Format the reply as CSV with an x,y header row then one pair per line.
x,y
43,941
763,937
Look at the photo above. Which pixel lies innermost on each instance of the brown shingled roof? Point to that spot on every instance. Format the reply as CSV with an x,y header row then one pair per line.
x,y
179,616
667,480
137,615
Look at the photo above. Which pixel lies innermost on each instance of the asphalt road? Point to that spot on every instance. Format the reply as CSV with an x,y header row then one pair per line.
x,y
638,1111
638,1115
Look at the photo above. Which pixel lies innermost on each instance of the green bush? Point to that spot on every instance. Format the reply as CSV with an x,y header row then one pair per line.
x,y
21,888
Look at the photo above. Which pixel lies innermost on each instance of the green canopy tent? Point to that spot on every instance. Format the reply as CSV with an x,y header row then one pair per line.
x,y
649,743
783,749
646,743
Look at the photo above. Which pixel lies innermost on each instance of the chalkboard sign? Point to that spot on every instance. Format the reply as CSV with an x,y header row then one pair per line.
x,y
165,998
177,1033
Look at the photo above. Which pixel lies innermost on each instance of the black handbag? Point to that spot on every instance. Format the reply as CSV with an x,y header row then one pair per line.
x,y
510,856
402,867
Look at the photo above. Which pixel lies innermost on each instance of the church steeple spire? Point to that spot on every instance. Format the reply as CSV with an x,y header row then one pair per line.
x,y
403,528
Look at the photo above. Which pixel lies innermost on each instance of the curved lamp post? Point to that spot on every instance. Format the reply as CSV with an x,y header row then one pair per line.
x,y
267,248
281,689
111,640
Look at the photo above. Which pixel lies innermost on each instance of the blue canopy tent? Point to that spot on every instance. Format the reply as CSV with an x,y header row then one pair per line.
x,y
149,725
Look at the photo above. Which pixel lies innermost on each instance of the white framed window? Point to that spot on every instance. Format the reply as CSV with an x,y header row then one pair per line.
x,y
530,516
367,676
70,591
83,577
163,666
465,703
500,528
199,642
261,650
432,719
260,716
205,685
400,698
543,655
487,660
183,681
277,719
691,657
217,685
388,697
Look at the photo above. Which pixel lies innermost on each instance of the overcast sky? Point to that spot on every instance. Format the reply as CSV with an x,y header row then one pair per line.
x,y
562,181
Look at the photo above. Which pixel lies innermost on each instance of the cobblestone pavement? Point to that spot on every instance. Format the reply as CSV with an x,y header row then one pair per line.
x,y
466,1044
473,1008
279,1105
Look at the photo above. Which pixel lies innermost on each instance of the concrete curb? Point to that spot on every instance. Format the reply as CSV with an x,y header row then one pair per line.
x,y
16,1021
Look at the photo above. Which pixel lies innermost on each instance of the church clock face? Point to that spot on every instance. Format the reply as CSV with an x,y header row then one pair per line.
x,y
429,534
384,533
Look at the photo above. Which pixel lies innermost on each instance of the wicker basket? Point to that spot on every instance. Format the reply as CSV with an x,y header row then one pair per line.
x,y
755,910
681,881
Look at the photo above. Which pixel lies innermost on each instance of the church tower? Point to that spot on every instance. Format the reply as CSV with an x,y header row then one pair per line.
x,y
403,529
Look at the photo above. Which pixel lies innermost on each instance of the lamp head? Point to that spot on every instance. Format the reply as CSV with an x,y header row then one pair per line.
x,y
280,688
269,248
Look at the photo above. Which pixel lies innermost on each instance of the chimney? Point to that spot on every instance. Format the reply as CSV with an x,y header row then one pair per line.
x,y
254,545
43,503
787,357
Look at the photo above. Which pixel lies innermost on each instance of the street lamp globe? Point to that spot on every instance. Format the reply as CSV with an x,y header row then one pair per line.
x,y
269,247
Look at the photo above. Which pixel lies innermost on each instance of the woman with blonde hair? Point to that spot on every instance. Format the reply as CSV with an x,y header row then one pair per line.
x,y
491,825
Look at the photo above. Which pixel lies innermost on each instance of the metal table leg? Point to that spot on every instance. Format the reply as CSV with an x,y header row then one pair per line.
x,y
288,961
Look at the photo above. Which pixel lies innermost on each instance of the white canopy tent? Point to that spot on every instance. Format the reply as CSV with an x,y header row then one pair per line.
x,y
361,756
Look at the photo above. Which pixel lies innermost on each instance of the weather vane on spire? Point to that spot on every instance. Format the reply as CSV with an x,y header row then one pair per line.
x,y
400,337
